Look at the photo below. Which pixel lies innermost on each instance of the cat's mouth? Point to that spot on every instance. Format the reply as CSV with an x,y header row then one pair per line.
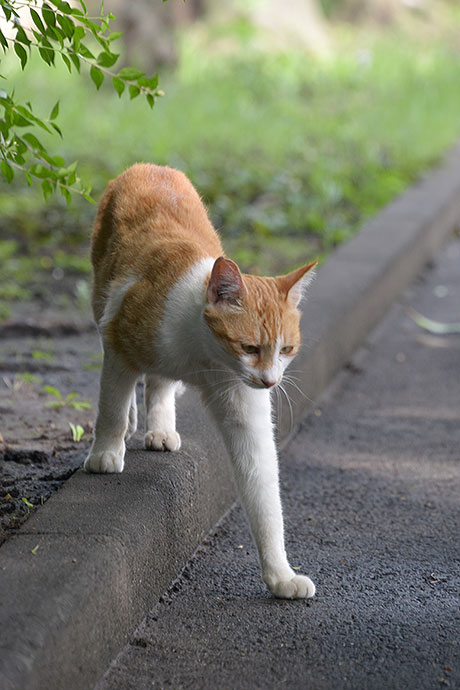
x,y
264,381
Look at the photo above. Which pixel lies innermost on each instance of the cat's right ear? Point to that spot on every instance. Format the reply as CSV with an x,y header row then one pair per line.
x,y
226,283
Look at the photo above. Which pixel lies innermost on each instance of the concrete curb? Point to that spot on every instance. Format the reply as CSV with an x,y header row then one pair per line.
x,y
108,546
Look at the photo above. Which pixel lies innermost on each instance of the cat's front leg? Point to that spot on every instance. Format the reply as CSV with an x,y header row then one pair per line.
x,y
244,417
115,399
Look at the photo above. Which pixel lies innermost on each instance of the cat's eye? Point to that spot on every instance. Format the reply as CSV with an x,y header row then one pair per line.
x,y
250,349
286,350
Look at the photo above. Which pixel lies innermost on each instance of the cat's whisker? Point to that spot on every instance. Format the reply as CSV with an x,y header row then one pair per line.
x,y
291,414
207,371
223,382
289,381
279,407
226,390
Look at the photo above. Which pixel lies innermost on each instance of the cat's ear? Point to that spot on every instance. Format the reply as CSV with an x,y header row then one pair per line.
x,y
226,283
294,284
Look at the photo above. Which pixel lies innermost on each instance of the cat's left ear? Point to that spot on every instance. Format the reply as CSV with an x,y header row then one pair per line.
x,y
226,283
294,284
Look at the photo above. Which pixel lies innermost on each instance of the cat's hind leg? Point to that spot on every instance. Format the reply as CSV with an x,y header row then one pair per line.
x,y
160,413
132,417
115,399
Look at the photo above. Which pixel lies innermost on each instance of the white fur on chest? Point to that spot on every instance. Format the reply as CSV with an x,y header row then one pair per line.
x,y
181,339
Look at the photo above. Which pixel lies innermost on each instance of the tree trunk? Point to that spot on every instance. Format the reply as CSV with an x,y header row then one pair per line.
x,y
298,22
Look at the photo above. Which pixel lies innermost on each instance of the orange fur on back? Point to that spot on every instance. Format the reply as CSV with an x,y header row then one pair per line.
x,y
151,224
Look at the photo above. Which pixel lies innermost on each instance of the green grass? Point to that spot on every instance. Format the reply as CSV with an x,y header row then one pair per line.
x,y
290,154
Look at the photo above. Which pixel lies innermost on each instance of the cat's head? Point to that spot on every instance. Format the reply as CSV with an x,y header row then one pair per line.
x,y
255,321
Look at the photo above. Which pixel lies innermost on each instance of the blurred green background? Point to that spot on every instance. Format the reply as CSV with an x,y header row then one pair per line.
x,y
295,121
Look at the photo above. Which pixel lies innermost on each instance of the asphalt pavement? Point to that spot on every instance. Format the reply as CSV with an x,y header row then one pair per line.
x,y
370,486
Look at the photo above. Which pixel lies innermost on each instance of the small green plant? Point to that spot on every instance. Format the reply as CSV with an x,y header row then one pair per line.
x,y
42,355
68,401
19,381
28,378
77,432
5,311
34,550
29,505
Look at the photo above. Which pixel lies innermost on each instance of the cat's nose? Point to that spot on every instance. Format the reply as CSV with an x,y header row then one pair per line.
x,y
268,383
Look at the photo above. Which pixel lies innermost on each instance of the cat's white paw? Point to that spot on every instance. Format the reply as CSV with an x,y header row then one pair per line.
x,y
162,440
107,461
297,587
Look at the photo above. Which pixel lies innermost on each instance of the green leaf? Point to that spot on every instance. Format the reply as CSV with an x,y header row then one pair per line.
x,y
130,74
21,36
67,62
37,20
53,391
21,147
49,16
67,25
62,6
68,197
76,61
150,100
21,53
72,396
114,36
47,189
28,503
107,59
39,170
85,52
118,85
58,161
97,76
20,121
55,111
3,41
56,34
134,91
56,129
7,171
83,404
149,82
47,55
79,33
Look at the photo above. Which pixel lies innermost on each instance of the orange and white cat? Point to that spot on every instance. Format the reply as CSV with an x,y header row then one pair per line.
x,y
170,307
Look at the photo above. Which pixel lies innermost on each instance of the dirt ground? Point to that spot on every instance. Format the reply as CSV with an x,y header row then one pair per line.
x,y
41,348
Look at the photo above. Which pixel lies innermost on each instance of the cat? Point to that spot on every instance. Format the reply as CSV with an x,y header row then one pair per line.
x,y
170,306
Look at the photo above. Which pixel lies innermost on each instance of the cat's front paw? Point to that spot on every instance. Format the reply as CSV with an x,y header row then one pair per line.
x,y
107,461
296,587
162,440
